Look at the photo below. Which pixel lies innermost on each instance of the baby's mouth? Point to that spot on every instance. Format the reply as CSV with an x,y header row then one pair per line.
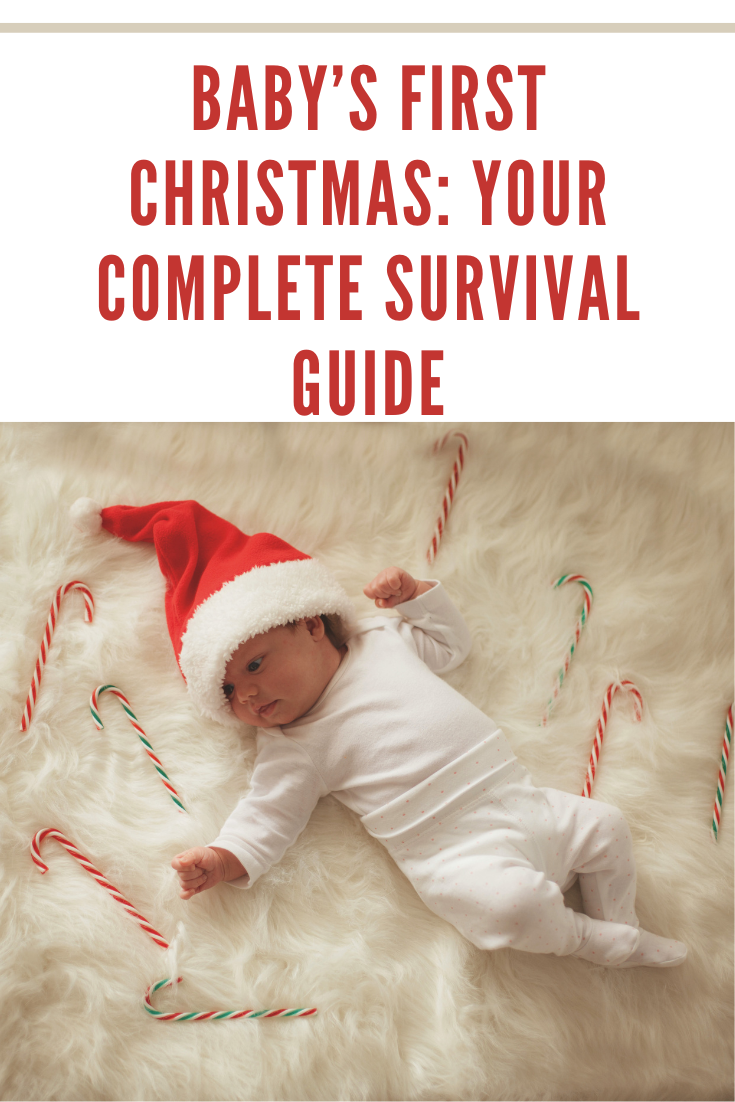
x,y
265,709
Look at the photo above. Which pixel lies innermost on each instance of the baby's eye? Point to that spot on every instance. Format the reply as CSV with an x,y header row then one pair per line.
x,y
253,666
228,690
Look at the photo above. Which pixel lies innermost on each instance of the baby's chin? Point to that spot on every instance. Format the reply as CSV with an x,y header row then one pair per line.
x,y
281,717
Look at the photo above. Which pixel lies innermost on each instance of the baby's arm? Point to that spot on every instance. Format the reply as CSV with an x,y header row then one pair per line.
x,y
394,586
284,789
429,622
204,867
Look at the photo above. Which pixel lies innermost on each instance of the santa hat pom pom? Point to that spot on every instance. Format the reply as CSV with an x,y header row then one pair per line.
x,y
86,515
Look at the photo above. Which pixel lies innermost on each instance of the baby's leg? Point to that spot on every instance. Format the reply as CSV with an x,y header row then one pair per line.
x,y
601,854
533,911
526,911
505,902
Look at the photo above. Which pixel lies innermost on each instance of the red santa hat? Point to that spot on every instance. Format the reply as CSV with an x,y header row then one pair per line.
x,y
223,586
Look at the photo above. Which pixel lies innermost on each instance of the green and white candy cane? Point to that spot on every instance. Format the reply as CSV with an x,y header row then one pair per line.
x,y
216,1015
722,775
583,617
94,709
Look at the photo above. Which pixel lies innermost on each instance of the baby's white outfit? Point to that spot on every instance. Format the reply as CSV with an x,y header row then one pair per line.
x,y
436,782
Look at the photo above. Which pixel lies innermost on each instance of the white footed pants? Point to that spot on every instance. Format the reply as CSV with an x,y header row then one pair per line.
x,y
493,854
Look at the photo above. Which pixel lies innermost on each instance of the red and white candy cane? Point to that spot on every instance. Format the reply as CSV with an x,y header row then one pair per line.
x,y
583,617
61,592
722,775
602,724
52,832
94,709
216,1015
450,491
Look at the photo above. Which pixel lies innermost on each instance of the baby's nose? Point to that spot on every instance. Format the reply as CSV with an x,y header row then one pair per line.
x,y
244,692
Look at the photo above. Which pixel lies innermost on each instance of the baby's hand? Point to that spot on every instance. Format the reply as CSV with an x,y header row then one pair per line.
x,y
392,586
199,868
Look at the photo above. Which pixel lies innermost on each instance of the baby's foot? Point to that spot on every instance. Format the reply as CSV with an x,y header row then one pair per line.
x,y
656,952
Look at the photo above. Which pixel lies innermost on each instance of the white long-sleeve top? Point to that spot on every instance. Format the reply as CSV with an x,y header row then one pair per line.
x,y
384,723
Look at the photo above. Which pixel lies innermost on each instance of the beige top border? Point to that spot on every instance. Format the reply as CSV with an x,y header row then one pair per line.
x,y
367,28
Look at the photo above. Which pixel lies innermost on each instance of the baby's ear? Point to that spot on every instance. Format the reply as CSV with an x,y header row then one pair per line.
x,y
315,627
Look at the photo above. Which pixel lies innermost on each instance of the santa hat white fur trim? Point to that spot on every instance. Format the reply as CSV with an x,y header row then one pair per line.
x,y
265,597
86,515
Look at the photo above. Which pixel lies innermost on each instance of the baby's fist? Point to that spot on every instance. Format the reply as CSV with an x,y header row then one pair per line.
x,y
393,586
199,868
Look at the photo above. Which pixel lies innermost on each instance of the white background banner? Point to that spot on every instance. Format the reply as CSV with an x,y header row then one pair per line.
x,y
650,110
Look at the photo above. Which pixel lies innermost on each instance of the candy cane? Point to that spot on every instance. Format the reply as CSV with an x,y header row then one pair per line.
x,y
722,775
449,492
153,934
584,614
46,643
94,709
602,724
216,1015
87,865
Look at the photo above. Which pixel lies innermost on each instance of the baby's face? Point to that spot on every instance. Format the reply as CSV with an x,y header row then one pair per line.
x,y
274,678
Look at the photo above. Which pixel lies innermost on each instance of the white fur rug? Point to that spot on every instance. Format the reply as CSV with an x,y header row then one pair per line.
x,y
407,1008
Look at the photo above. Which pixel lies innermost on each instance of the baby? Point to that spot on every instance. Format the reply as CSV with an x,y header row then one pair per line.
x,y
265,636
